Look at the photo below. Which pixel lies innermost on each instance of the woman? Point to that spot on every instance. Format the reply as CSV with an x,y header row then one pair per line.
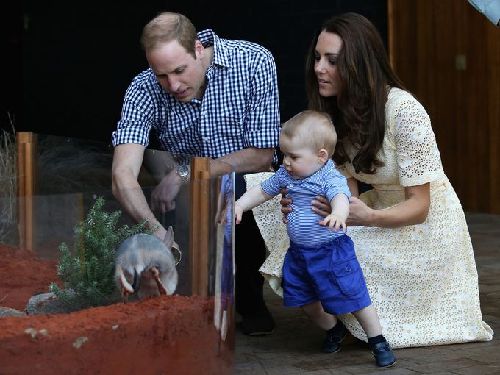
x,y
409,231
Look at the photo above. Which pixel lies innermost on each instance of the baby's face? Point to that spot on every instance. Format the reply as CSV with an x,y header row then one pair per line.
x,y
300,160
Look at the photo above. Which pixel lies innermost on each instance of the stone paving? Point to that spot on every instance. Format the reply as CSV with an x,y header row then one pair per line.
x,y
293,347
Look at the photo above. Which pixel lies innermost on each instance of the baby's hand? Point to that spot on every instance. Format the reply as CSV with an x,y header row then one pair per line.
x,y
238,212
220,217
334,222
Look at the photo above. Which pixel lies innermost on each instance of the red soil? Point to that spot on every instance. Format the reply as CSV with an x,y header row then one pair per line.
x,y
162,335
23,275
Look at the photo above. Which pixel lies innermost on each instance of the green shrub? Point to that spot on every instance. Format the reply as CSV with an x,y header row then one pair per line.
x,y
8,187
88,271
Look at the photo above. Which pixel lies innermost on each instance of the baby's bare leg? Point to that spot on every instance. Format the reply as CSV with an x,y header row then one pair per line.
x,y
318,315
368,318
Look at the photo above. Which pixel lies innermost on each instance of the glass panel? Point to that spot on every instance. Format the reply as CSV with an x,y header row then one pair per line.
x,y
191,331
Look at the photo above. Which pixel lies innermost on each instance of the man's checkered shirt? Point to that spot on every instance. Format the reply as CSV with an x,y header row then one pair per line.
x,y
240,107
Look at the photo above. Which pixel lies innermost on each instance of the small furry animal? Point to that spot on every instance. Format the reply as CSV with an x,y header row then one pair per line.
x,y
145,266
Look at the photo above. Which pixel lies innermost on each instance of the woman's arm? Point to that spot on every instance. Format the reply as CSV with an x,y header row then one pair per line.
x,y
353,186
413,210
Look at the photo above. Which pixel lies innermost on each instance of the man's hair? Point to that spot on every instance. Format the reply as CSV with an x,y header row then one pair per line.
x,y
168,26
315,129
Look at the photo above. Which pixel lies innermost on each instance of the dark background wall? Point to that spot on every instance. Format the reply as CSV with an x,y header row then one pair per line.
x,y
69,64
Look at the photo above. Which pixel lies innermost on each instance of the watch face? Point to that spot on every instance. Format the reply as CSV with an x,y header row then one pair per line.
x,y
183,170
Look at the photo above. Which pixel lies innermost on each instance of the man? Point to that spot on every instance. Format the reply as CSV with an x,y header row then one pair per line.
x,y
202,96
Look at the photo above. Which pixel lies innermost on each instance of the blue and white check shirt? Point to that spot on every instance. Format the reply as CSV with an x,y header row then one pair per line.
x,y
303,223
240,107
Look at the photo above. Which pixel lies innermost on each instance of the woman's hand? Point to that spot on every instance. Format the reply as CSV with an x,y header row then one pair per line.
x,y
359,213
321,206
285,205
412,211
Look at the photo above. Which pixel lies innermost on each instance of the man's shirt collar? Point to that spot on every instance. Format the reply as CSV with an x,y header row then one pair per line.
x,y
209,38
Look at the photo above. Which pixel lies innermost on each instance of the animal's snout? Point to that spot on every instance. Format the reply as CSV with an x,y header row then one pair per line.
x,y
136,277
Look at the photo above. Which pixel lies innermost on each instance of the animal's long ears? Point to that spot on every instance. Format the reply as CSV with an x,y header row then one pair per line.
x,y
172,245
169,237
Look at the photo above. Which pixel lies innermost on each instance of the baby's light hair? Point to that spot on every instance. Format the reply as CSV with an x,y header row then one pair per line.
x,y
314,129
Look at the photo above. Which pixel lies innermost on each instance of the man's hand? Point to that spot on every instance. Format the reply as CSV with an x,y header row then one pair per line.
x,y
164,194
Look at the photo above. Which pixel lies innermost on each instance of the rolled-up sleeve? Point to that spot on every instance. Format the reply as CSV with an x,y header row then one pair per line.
x,y
136,116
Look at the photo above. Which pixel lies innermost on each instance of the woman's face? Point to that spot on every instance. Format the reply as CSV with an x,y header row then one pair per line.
x,y
325,55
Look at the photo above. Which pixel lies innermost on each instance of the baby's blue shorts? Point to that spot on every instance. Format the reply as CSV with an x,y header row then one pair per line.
x,y
330,274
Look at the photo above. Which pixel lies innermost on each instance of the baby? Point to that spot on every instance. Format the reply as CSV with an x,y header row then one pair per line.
x,y
321,273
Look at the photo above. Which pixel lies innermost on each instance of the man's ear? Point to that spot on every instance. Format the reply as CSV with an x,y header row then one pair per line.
x,y
323,155
198,48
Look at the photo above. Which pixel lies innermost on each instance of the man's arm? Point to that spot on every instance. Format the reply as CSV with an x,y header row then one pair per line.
x,y
158,163
246,160
127,161
262,124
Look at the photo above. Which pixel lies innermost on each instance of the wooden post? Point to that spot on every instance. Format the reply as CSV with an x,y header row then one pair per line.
x,y
199,224
26,149
390,32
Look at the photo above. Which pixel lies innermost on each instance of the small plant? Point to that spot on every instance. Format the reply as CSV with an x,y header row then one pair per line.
x,y
88,271
8,186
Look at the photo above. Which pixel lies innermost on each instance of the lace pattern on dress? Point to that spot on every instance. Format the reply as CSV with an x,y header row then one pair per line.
x,y
422,278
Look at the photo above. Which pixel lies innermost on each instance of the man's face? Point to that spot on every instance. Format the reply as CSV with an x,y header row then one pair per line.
x,y
178,72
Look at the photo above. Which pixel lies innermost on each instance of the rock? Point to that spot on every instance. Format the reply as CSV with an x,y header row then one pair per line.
x,y
7,311
46,303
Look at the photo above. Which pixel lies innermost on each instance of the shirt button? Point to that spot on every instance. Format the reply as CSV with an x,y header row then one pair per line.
x,y
203,113
206,139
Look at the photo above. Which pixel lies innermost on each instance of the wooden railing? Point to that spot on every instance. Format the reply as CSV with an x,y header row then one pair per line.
x,y
26,151
199,225
199,210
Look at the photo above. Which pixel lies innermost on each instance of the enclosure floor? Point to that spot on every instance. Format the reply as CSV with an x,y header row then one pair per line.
x,y
293,347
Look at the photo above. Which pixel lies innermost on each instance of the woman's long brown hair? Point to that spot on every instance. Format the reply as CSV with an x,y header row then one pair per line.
x,y
358,111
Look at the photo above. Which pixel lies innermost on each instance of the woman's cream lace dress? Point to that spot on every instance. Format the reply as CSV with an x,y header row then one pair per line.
x,y
422,278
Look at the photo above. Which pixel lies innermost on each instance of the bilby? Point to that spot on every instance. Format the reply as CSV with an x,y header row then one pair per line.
x,y
145,266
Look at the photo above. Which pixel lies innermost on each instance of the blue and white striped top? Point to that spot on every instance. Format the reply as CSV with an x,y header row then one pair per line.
x,y
303,224
239,109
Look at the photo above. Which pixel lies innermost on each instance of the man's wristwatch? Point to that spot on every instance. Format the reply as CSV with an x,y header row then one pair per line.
x,y
184,172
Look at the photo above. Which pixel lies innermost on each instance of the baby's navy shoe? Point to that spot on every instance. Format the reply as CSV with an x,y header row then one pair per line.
x,y
384,357
334,337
